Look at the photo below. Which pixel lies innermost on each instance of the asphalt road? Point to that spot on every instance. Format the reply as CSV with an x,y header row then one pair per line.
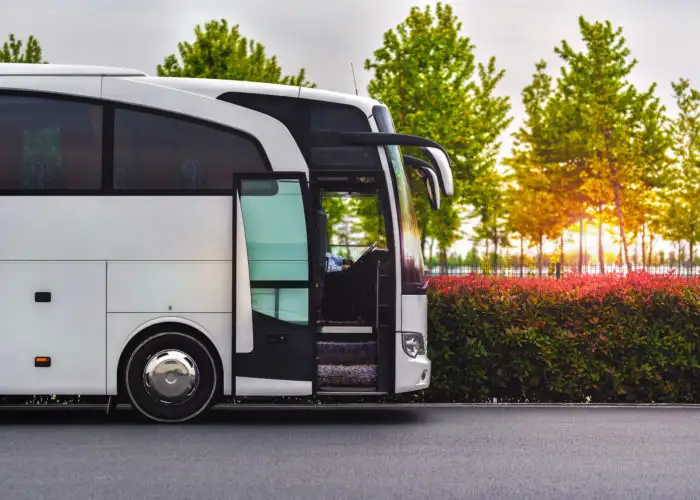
x,y
424,453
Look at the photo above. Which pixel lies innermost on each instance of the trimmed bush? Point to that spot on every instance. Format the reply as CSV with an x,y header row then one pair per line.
x,y
582,338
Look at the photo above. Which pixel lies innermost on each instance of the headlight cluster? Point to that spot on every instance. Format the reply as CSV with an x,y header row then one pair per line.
x,y
413,344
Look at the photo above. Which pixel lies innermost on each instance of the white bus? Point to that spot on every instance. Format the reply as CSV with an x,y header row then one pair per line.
x,y
164,241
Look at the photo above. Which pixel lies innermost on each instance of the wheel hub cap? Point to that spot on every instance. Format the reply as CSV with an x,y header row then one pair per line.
x,y
171,376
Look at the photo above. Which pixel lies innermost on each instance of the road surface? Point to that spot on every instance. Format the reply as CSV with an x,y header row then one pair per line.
x,y
423,453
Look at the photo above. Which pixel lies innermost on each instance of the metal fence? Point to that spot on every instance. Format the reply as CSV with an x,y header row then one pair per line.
x,y
549,269
555,270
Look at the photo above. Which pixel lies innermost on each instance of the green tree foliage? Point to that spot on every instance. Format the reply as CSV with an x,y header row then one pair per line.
x,y
426,73
12,51
613,133
335,209
542,200
681,198
223,53
592,146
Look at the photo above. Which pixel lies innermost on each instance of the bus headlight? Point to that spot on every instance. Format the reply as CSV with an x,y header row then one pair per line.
x,y
413,343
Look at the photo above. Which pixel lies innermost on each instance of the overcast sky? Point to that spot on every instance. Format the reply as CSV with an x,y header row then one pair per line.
x,y
325,36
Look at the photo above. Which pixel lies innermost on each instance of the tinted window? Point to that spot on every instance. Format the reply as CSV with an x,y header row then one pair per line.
x,y
158,152
275,232
49,144
305,116
326,116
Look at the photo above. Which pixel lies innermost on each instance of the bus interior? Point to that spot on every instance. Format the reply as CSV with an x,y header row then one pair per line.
x,y
355,324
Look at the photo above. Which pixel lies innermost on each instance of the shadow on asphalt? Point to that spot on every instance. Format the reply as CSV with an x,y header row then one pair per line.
x,y
238,417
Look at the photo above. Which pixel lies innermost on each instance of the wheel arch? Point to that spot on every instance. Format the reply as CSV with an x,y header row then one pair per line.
x,y
159,325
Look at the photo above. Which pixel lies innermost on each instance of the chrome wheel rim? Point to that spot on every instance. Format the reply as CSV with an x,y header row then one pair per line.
x,y
171,376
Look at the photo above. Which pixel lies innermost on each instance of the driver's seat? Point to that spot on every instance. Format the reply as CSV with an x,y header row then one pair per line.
x,y
351,295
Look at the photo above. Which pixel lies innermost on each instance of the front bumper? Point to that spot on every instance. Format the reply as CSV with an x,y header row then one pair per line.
x,y
412,374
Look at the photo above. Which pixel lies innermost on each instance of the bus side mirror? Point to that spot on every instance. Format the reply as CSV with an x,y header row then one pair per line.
x,y
431,185
442,165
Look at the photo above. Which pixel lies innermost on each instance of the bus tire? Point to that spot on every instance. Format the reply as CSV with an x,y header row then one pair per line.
x,y
171,377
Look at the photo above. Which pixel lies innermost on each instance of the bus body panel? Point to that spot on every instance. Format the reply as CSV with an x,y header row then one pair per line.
x,y
169,287
251,386
216,87
69,327
116,228
412,374
78,86
137,275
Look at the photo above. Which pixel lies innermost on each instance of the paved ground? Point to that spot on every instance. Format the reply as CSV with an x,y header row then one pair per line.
x,y
436,453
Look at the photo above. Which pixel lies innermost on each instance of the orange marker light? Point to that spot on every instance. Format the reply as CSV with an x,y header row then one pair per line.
x,y
42,361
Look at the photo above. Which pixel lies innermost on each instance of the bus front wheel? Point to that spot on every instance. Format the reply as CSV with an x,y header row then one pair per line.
x,y
171,377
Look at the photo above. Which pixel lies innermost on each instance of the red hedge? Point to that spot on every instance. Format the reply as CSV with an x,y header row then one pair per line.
x,y
582,338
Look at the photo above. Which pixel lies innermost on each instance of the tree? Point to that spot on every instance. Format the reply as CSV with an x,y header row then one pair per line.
x,y
606,121
223,53
427,75
12,51
681,216
543,197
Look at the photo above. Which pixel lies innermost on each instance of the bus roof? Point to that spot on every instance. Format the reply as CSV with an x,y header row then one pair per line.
x,y
202,86
24,69
214,88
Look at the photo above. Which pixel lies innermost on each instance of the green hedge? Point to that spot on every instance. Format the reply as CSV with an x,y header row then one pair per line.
x,y
596,338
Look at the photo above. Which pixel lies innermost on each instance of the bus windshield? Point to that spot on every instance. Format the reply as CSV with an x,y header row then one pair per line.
x,y
411,252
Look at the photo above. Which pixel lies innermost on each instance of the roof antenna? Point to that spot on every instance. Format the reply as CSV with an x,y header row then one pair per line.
x,y
353,78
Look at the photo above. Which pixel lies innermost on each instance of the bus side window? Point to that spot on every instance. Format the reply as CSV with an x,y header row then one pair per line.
x,y
50,143
164,153
276,240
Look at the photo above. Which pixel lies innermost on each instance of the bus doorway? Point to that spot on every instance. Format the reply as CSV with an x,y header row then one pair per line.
x,y
356,285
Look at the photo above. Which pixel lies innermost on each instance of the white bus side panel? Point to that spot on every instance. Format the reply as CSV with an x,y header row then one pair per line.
x,y
169,287
249,386
113,228
157,252
412,374
77,86
70,328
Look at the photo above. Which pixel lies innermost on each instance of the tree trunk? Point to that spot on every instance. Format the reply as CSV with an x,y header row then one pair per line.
x,y
601,255
539,256
620,218
443,261
561,251
487,257
692,256
580,247
495,255
651,244
522,256
644,258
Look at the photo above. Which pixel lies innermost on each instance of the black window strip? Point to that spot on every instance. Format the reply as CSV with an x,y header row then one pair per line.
x,y
108,148
106,185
